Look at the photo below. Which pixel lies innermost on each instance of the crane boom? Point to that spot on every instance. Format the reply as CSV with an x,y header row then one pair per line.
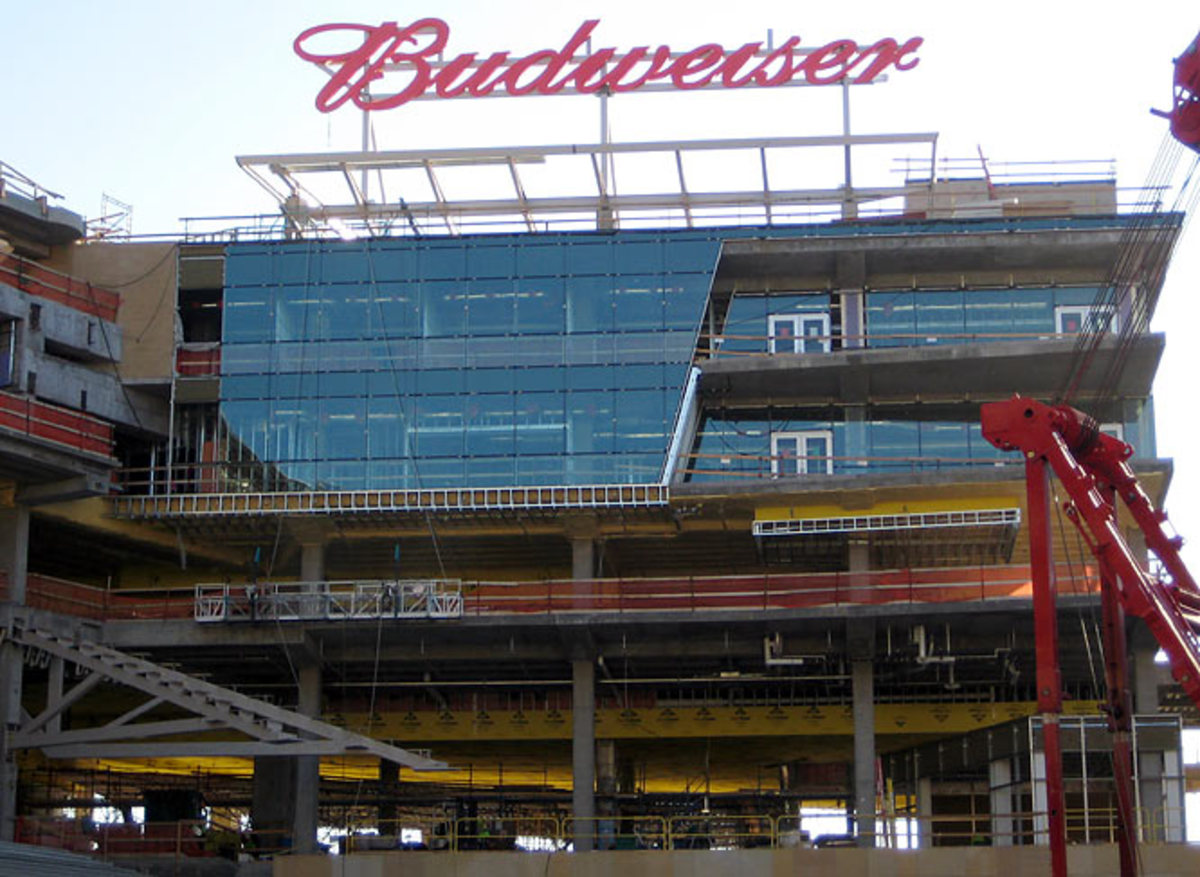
x,y
1086,461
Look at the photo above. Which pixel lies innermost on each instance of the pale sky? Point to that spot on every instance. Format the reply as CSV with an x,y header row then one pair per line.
x,y
149,101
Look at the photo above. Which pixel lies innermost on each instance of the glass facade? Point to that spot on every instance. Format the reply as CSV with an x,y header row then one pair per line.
x,y
908,318
730,447
561,359
903,318
486,361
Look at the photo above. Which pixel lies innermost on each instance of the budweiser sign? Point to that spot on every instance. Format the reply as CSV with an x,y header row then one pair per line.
x,y
386,66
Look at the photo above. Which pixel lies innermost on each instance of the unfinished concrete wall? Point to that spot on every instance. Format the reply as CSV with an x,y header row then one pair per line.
x,y
145,276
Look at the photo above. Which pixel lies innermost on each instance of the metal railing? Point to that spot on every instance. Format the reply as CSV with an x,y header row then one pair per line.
x,y
224,488
555,832
12,180
717,831
731,345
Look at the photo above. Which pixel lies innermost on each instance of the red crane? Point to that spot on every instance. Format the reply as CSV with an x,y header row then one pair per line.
x,y
1185,115
1093,470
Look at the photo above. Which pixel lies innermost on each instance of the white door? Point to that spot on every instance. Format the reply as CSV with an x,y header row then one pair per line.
x,y
798,333
808,452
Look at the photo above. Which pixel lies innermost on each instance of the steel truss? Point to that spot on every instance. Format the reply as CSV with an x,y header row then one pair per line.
x,y
271,730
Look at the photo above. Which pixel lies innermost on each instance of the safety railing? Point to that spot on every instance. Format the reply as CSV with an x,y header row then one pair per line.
x,y
769,592
181,839
12,180
727,466
60,426
55,286
553,832
717,831
101,604
242,487
426,598
198,360
452,598
734,345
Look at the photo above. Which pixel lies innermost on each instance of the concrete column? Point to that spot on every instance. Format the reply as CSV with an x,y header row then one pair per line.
x,y
308,767
583,558
925,813
312,562
852,280
313,538
856,437
1174,800
1041,799
859,555
1000,787
14,552
273,800
863,678
389,783
853,322
606,791
583,752
1144,680
1152,800
858,584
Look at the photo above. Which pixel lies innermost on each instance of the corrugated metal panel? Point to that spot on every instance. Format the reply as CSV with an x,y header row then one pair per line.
x,y
25,860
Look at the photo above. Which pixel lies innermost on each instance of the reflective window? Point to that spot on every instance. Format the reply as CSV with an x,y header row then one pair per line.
x,y
489,361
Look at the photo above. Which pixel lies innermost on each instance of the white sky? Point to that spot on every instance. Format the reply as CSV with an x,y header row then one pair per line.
x,y
150,101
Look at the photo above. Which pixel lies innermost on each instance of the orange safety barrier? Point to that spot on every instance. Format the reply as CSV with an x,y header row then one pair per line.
x,y
62,426
798,591
85,601
693,594
52,285
191,362
58,834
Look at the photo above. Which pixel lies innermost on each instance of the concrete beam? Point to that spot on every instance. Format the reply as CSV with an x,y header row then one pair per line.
x,y
953,373
65,490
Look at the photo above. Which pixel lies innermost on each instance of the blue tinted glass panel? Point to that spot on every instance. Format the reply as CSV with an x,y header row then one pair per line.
x,y
474,361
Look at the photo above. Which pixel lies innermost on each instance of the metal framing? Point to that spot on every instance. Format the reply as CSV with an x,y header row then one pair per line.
x,y
1007,518
481,499
293,181
271,730
333,601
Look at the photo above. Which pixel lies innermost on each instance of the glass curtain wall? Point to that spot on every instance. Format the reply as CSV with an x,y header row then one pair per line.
x,y
487,361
